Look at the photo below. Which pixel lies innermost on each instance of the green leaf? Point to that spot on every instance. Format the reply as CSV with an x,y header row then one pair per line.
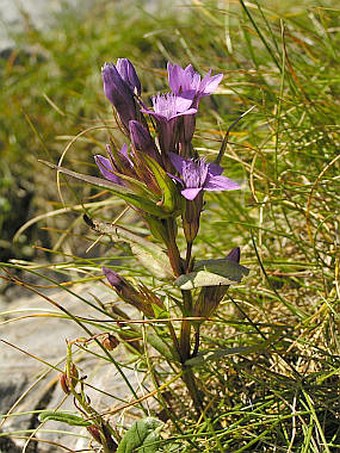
x,y
223,267
142,437
169,190
212,273
150,255
209,356
138,187
161,346
144,203
65,417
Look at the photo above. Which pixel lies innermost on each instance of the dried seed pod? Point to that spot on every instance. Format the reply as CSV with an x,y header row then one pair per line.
x,y
63,380
68,381
110,342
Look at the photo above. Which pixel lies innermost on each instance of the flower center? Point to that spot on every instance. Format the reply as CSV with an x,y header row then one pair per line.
x,y
195,173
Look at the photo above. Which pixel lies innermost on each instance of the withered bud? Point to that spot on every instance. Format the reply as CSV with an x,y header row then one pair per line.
x,y
103,436
110,342
63,379
68,381
95,433
128,293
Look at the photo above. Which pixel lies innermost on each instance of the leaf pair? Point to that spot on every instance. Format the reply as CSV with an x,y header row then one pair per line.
x,y
218,272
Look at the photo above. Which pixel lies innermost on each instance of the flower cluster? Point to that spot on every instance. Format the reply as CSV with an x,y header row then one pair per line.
x,y
173,117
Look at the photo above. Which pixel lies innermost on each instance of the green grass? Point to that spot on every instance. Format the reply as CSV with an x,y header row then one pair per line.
x,y
274,378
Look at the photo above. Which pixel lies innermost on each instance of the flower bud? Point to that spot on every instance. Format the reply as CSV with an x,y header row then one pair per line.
x,y
68,381
142,140
110,342
63,380
234,255
95,433
128,293
119,93
129,75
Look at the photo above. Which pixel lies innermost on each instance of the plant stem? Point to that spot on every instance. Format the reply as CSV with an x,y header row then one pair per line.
x,y
183,346
197,341
184,340
188,260
173,252
188,378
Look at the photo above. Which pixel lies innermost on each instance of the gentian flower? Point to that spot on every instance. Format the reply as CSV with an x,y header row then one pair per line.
x,y
129,75
187,83
142,299
197,175
169,106
111,167
169,110
120,84
142,140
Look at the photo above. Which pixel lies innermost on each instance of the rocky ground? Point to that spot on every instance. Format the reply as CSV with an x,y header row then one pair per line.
x,y
31,343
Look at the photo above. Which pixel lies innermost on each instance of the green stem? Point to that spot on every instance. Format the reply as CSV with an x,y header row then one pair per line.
x,y
183,346
184,340
173,252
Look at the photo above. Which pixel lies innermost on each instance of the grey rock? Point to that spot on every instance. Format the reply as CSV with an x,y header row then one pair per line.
x,y
33,342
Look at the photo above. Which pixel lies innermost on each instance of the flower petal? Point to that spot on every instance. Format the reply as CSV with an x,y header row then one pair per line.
x,y
106,170
128,73
209,84
191,193
182,105
214,169
177,161
220,183
175,75
169,106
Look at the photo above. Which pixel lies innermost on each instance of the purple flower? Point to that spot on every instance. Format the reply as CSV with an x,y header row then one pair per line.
x,y
142,140
169,106
129,75
109,167
169,111
187,83
114,279
129,294
197,175
119,89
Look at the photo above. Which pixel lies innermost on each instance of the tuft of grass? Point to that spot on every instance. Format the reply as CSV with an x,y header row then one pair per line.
x,y
270,362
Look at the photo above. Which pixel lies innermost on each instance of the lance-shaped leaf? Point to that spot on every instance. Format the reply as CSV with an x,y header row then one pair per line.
x,y
170,200
70,418
149,254
162,347
212,273
213,355
143,437
143,201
